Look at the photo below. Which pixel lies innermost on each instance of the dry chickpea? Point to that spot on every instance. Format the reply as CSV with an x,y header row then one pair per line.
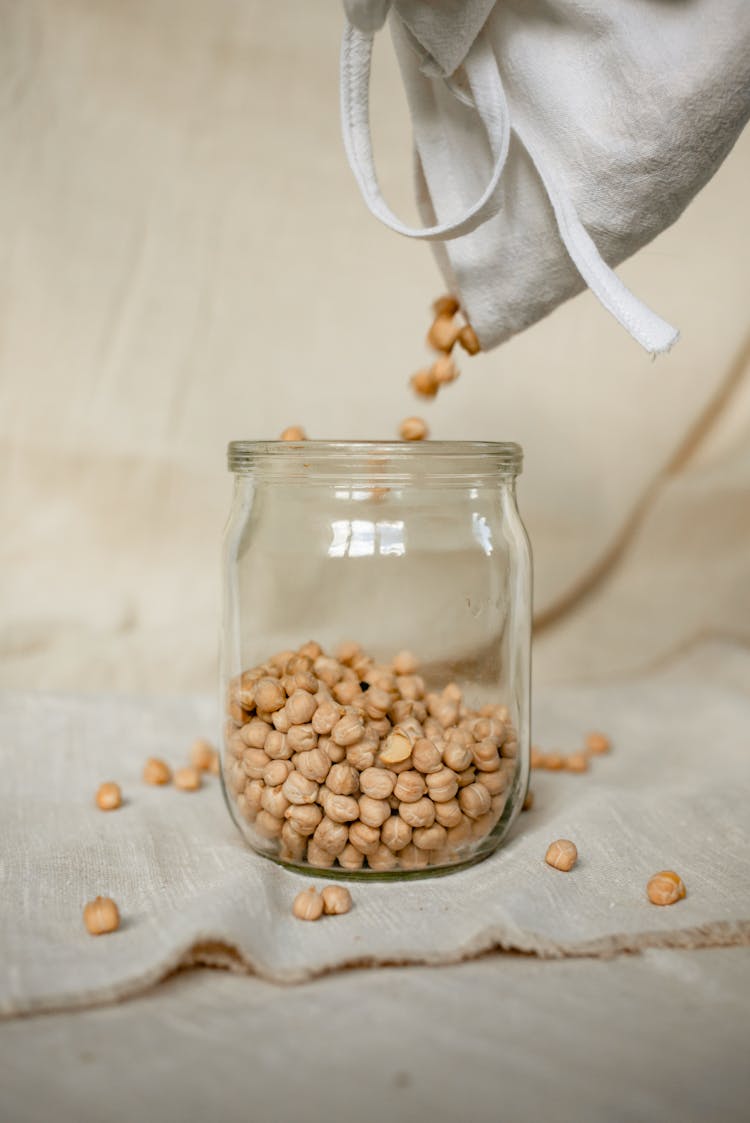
x,y
317,856
350,858
298,789
203,755
413,429
328,670
331,836
363,838
382,859
304,817
276,772
336,900
274,801
554,762
293,843
444,370
396,833
448,813
301,707
310,650
495,782
343,779
562,855
156,771
665,888
269,694
425,756
361,756
598,743
397,748
348,693
469,340
254,762
275,746
254,732
528,802
419,814
281,721
486,756
377,782
308,905
315,764
293,433
410,787
509,749
457,757
577,762
101,916
108,797
187,779
348,730
342,808
443,333
445,305
302,738
466,778
373,812
377,703
461,833
268,825
424,383
412,858
430,838
474,800
326,716
442,785
254,795
348,651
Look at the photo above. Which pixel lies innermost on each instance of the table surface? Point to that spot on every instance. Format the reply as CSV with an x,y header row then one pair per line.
x,y
658,1036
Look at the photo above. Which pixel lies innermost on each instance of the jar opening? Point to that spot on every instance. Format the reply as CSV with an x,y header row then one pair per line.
x,y
430,461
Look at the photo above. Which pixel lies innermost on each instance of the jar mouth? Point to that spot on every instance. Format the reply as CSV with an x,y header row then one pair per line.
x,y
372,461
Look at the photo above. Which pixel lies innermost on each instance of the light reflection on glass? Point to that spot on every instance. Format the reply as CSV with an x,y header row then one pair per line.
x,y
361,538
482,532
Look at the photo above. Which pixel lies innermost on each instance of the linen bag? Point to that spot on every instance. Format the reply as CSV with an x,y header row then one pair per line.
x,y
552,139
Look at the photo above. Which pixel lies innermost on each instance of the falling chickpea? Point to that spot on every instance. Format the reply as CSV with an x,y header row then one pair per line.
x,y
108,797
425,383
562,855
413,429
665,888
101,916
469,340
156,771
443,333
308,905
445,305
293,433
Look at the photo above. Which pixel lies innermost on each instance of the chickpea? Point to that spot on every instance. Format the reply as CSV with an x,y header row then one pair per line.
x,y
363,838
377,783
577,762
396,833
276,772
276,747
443,333
466,778
348,730
304,817
108,797
461,833
430,838
274,801
317,856
336,900
444,370
281,721
331,836
554,762
156,771
445,305
424,383
187,779
101,916
342,808
308,905
301,707
410,787
474,800
382,859
254,762
419,814
268,825
302,738
397,749
442,785
494,782
350,858
373,812
328,670
425,756
293,433
315,764
360,756
254,795
325,717
528,802
298,789
294,844
469,340
343,779
562,855
665,888
509,749
412,858
457,757
413,429
486,756
377,703
269,694
448,813
598,743
203,755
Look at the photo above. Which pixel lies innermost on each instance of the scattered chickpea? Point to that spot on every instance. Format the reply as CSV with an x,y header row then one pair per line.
x,y
187,779
203,755
598,743
293,433
413,429
156,771
108,797
336,900
665,888
308,905
561,855
101,916
469,340
554,762
577,762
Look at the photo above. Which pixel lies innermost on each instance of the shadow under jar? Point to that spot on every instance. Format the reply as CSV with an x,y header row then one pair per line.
x,y
375,654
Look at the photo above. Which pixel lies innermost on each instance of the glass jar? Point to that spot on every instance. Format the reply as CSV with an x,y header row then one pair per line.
x,y
375,653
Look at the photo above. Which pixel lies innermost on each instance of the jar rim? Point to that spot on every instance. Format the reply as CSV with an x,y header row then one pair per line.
x,y
376,458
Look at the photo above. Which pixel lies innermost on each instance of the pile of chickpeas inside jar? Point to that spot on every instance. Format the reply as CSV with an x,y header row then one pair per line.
x,y
340,761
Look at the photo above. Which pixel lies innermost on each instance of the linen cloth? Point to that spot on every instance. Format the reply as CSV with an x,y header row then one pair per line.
x,y
672,794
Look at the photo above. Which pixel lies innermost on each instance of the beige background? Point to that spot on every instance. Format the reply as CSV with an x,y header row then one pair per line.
x,y
185,259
